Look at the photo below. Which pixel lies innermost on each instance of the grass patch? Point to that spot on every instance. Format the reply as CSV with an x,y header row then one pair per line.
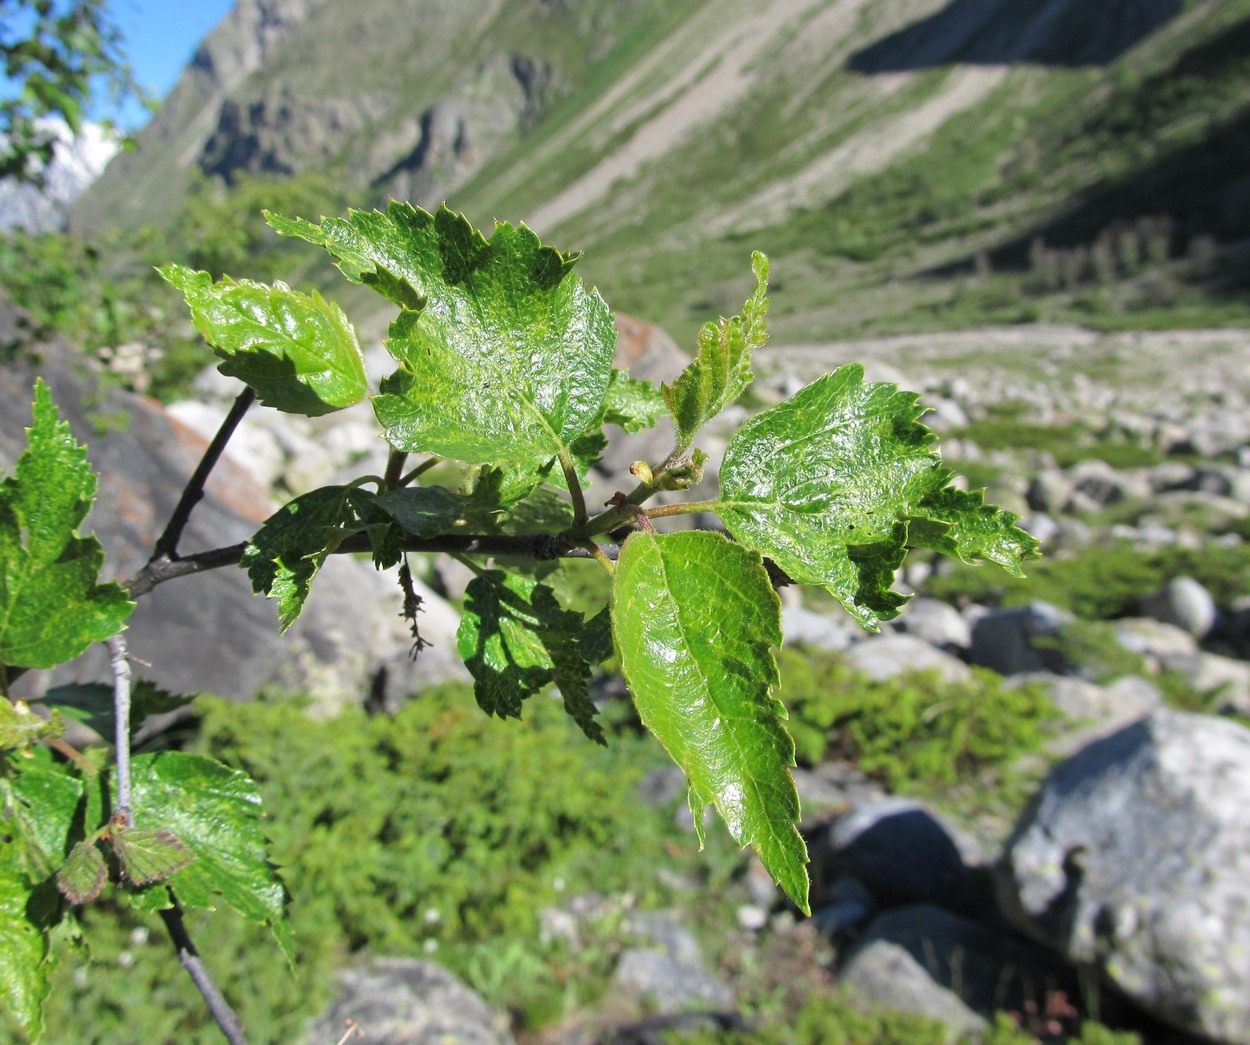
x,y
915,733
1101,582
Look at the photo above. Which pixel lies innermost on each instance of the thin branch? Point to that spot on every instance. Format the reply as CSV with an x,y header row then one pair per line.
x,y
120,662
659,511
157,571
528,546
222,1013
525,546
580,515
420,469
167,546
394,469
608,562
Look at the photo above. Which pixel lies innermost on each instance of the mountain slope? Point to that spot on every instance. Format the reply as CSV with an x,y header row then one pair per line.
x,y
881,152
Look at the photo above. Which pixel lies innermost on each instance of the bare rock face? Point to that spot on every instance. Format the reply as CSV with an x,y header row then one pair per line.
x,y
281,133
1132,860
454,137
209,633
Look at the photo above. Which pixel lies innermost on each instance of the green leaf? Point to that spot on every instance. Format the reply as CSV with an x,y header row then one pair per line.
x,y
148,855
91,703
491,491
24,970
825,483
695,621
423,511
215,812
43,807
298,352
20,727
596,640
542,511
51,606
960,523
81,878
722,368
287,551
505,357
515,639
633,404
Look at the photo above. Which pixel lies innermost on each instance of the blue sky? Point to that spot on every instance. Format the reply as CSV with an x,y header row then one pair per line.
x,y
160,37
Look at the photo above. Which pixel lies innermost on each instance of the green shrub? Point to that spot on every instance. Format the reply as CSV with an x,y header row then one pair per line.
x,y
436,833
1103,581
915,731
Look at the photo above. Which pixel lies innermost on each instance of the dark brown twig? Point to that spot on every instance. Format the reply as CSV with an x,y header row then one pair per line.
x,y
222,1013
167,546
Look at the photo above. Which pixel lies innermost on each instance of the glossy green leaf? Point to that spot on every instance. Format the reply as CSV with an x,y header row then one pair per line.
x,y
493,493
148,855
505,356
24,972
39,804
824,485
515,639
423,511
721,369
215,812
960,523
44,805
51,604
298,352
695,621
81,878
287,551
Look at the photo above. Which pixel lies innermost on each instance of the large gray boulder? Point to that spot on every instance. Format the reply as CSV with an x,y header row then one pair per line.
x,y
1020,639
889,655
932,962
1132,860
1184,603
208,633
901,852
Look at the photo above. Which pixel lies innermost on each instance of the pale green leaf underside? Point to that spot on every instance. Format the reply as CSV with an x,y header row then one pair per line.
x,y
515,639
215,813
51,606
825,482
81,878
505,355
633,404
721,369
148,854
298,352
702,680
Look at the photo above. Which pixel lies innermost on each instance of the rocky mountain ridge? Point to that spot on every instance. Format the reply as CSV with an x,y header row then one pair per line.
x,y
657,136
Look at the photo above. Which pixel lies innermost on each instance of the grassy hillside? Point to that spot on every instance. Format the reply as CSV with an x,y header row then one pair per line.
x,y
907,165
